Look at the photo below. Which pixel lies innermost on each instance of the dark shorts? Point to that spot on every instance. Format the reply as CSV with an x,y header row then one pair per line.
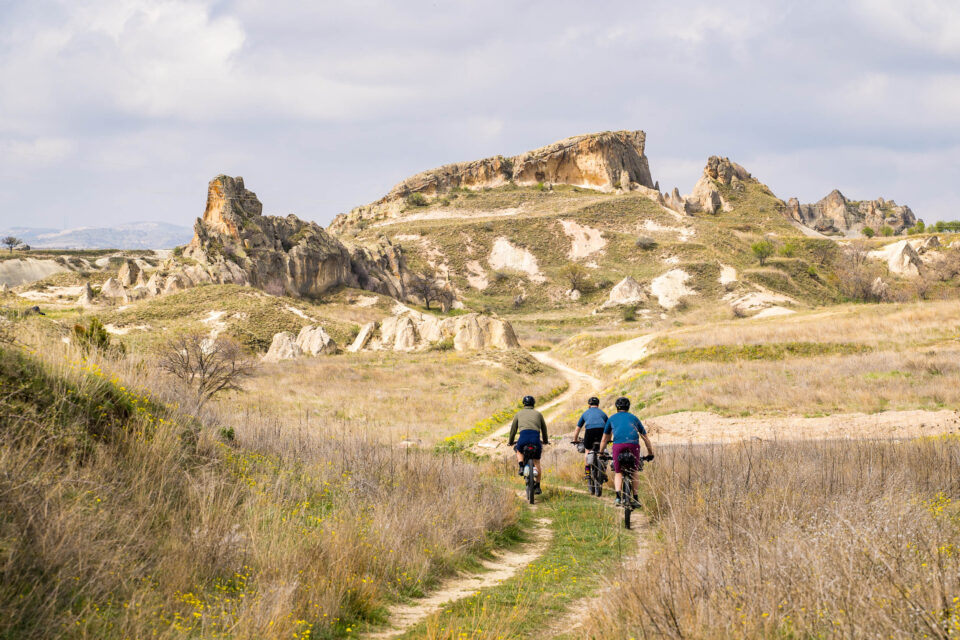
x,y
531,438
627,446
591,437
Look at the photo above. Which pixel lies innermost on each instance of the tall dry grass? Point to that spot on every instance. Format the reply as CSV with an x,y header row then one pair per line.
x,y
799,540
121,516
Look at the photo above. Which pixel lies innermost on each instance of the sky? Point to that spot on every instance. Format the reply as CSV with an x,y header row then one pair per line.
x,y
115,111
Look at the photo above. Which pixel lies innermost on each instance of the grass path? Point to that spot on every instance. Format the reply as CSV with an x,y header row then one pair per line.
x,y
588,542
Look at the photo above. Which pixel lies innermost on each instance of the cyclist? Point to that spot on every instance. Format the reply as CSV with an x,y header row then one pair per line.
x,y
625,430
594,420
530,424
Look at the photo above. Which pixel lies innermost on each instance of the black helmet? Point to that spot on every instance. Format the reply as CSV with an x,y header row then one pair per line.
x,y
593,402
528,401
622,404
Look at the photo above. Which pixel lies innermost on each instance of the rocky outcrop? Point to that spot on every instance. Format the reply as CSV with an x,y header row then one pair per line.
x,y
113,289
706,197
283,347
606,161
130,272
314,341
234,243
86,296
901,258
626,292
834,214
410,330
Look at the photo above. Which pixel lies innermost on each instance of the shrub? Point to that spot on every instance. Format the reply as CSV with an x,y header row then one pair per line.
x,y
886,231
646,243
629,314
417,199
789,249
869,232
762,250
93,337
540,186
208,367
442,345
575,275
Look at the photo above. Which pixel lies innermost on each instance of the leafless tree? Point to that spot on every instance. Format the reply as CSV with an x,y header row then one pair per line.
x,y
208,366
823,251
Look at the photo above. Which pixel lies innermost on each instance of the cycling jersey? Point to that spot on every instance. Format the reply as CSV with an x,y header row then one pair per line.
x,y
593,418
528,420
624,427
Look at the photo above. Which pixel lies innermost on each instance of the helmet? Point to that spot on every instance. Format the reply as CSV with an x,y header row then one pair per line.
x,y
622,404
528,401
594,401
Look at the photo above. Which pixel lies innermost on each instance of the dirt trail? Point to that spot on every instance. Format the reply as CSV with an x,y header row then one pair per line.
x,y
503,567
580,384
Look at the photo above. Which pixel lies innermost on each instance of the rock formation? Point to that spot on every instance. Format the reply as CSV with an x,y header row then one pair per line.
x,y
410,330
283,347
626,292
901,258
86,296
113,289
234,243
129,273
834,214
314,341
705,196
605,161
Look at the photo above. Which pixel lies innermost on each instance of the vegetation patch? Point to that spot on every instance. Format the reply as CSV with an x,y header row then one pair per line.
x,y
771,351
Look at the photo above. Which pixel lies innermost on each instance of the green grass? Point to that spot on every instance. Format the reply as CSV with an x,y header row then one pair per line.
x,y
774,351
588,539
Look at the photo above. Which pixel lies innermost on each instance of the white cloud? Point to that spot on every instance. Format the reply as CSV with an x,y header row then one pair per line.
x,y
34,153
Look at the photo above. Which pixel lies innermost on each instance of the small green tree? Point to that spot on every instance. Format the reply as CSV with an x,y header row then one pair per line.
x,y
575,275
869,232
11,241
886,231
762,250
417,200
789,249
93,336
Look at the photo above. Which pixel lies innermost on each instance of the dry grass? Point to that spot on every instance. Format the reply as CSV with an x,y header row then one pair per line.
x,y
122,517
809,540
417,396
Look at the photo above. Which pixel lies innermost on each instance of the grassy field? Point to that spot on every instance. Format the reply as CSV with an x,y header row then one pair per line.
x,y
125,516
818,540
414,397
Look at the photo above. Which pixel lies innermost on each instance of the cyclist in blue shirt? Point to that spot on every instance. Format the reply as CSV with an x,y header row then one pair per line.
x,y
625,431
592,421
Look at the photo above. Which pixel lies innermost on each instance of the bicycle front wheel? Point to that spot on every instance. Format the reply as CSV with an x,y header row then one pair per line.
x,y
531,486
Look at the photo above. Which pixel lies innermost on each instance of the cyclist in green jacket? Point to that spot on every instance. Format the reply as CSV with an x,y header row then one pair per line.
x,y
529,423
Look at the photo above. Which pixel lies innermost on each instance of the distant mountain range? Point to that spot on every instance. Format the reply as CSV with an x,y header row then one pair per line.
x,y
133,235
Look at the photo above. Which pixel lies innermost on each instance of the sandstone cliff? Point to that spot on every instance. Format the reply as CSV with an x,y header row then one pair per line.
x,y
705,197
234,243
605,161
835,214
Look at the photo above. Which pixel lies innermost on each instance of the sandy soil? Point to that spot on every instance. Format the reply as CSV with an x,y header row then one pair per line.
x,y
670,287
507,256
585,241
24,270
444,214
727,274
627,351
503,567
477,275
700,427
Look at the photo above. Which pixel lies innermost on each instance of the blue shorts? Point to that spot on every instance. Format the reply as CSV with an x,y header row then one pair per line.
x,y
531,438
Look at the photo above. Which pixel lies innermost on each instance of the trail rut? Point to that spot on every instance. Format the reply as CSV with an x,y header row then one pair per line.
x,y
503,567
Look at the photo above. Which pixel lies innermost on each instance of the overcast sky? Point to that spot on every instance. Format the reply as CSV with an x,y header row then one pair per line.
x,y
122,110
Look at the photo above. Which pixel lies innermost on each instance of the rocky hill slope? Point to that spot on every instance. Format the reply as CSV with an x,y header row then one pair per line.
x,y
603,161
834,214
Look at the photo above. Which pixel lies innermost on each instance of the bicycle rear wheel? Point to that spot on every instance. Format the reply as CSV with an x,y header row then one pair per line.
x,y
531,485
627,498
597,482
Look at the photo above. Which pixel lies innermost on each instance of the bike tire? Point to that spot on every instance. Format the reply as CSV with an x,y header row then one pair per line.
x,y
627,495
531,487
626,516
597,485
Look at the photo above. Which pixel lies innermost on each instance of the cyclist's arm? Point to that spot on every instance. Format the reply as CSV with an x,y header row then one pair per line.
x,y
646,442
605,440
513,430
543,430
576,434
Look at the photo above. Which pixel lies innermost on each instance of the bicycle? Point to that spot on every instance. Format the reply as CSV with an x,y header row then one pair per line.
x,y
530,473
629,464
598,467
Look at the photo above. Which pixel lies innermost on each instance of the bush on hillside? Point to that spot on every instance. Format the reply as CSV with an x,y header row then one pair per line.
x,y
869,232
417,200
762,250
646,243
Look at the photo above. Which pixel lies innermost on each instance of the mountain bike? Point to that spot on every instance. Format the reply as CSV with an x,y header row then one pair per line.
x,y
628,463
530,473
598,467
